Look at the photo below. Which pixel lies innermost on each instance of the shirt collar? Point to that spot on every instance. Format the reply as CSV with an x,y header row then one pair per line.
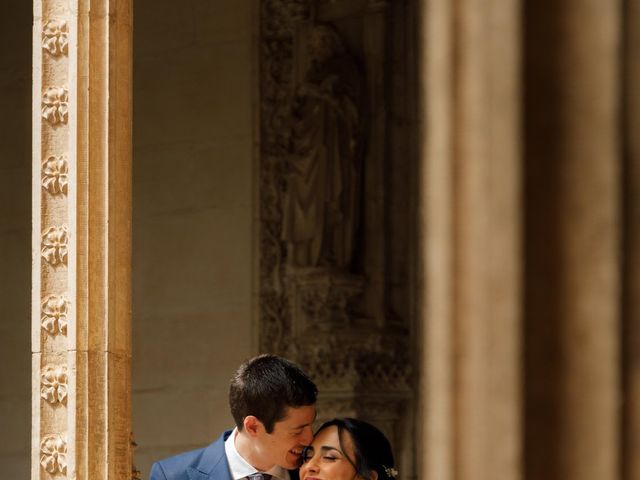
x,y
240,468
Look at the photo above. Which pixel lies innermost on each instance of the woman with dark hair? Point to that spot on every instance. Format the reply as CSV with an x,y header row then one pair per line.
x,y
348,449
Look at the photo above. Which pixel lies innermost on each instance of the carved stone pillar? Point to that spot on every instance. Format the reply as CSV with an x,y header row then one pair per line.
x,y
81,300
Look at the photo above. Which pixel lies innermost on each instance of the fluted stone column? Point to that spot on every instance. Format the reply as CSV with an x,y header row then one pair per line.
x,y
81,298
573,240
470,236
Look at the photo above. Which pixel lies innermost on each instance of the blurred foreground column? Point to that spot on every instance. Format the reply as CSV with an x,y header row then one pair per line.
x,y
470,212
631,268
81,239
573,237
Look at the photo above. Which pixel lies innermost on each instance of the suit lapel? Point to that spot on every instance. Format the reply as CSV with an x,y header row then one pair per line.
x,y
196,474
213,464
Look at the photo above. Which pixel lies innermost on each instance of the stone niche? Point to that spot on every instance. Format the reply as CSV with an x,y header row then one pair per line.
x,y
336,198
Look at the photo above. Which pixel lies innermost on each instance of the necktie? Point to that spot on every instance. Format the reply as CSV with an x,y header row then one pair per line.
x,y
259,476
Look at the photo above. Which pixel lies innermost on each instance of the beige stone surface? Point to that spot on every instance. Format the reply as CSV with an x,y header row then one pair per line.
x,y
15,244
194,170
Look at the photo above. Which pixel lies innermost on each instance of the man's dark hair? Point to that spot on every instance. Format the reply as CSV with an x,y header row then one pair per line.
x,y
265,386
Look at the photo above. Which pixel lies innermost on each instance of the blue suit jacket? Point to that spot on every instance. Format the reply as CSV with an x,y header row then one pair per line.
x,y
209,463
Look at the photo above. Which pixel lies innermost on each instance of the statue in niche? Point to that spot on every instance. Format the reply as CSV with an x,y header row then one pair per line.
x,y
322,199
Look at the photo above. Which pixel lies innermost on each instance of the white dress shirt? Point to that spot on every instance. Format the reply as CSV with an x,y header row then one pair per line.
x,y
240,468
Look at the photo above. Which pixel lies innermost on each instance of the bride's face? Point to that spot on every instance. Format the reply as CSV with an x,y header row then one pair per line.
x,y
326,460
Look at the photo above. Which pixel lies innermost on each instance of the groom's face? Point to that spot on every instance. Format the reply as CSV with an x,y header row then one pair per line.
x,y
283,446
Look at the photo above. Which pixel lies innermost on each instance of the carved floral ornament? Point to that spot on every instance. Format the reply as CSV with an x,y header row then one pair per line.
x,y
53,454
54,174
53,386
54,245
55,106
54,311
55,37
370,362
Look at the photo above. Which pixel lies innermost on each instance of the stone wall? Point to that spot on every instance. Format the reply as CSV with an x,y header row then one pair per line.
x,y
15,239
193,262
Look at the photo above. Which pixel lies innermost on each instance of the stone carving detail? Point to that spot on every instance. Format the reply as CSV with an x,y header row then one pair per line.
x,y
54,314
281,16
54,174
321,299
321,204
55,106
53,454
329,408
54,245
311,173
278,25
54,384
326,306
310,176
351,406
54,37
361,361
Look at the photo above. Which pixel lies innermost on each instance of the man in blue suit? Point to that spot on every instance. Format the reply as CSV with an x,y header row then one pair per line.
x,y
273,404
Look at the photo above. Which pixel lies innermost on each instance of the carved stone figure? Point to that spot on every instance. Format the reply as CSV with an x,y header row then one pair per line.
x,y
321,203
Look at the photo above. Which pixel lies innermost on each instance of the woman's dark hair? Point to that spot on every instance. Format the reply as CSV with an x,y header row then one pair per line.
x,y
371,448
265,386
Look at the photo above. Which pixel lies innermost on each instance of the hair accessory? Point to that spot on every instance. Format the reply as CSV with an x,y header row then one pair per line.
x,y
391,472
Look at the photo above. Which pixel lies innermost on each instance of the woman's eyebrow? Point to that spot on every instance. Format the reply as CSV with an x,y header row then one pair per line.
x,y
326,448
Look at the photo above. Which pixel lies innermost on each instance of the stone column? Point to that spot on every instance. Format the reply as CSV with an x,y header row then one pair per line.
x,y
470,212
573,186
435,242
81,300
631,306
487,262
